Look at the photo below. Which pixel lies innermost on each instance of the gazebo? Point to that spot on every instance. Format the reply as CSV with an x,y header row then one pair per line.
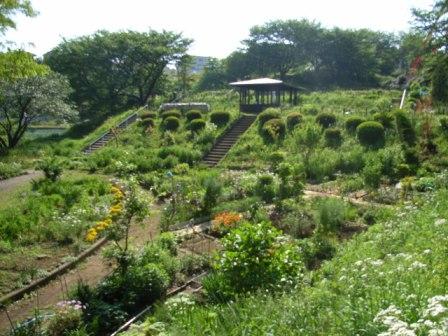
x,y
258,94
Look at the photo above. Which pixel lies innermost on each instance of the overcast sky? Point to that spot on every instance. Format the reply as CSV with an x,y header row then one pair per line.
x,y
217,27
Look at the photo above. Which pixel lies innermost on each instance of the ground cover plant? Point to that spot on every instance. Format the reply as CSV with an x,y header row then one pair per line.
x,y
48,224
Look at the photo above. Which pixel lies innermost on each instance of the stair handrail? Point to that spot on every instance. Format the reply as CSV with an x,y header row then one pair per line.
x,y
133,115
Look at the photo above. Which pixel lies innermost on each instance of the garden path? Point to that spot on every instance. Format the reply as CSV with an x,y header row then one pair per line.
x,y
13,183
91,271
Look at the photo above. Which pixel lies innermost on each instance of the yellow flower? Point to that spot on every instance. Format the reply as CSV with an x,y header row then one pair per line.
x,y
100,226
116,209
108,221
91,235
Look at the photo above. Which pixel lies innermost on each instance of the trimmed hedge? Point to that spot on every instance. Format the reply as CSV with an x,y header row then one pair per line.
x,y
333,137
168,114
384,118
273,130
220,118
326,120
267,115
147,122
171,123
371,134
292,120
192,115
148,115
352,123
196,125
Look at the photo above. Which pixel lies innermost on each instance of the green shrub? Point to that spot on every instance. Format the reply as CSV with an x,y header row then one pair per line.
x,y
213,190
147,122
220,118
326,120
352,123
253,259
197,125
192,115
333,137
52,168
309,109
148,115
276,158
292,120
265,188
267,115
443,121
371,134
183,154
8,170
372,172
384,118
171,123
405,130
168,114
330,215
322,165
273,130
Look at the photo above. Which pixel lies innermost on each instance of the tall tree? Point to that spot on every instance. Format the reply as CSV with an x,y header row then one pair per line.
x,y
27,99
113,71
19,64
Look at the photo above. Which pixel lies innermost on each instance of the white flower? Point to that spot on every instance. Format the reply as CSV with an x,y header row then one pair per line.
x,y
440,221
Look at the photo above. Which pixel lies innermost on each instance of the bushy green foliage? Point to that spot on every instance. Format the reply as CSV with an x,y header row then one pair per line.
x,y
220,118
268,114
371,134
326,120
352,123
147,122
273,130
292,120
52,168
197,125
253,258
443,121
333,137
265,188
309,109
372,172
330,215
191,115
439,90
405,129
171,123
384,118
148,115
8,170
213,190
172,113
183,154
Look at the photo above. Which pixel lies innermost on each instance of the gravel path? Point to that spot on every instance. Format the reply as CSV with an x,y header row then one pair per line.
x,y
13,183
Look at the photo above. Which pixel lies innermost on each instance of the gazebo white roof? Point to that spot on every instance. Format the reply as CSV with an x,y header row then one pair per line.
x,y
258,81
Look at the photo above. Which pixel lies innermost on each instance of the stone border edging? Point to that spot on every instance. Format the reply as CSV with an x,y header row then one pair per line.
x,y
19,293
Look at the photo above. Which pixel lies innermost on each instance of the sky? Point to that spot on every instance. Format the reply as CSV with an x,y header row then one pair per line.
x,y
217,27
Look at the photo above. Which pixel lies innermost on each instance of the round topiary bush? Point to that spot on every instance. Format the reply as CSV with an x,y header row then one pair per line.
x,y
148,115
292,120
384,118
192,115
333,137
196,125
220,118
326,120
171,123
267,115
147,122
371,134
310,109
168,114
352,123
273,130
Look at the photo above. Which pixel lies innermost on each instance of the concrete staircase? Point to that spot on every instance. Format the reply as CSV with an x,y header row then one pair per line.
x,y
223,145
106,137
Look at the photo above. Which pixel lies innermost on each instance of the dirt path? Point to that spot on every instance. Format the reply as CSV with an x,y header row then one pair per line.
x,y
312,194
13,183
91,271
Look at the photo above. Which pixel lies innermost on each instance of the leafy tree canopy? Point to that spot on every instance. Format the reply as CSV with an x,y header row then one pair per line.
x,y
19,64
9,8
27,99
110,72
